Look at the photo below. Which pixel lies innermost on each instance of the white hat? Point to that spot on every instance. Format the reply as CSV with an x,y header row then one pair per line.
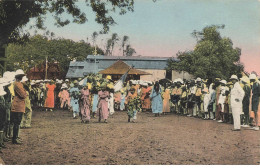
x,y
2,92
67,80
198,80
4,82
180,80
252,76
9,76
24,79
234,77
223,82
19,72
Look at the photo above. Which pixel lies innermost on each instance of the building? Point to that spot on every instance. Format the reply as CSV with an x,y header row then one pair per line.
x,y
119,68
53,72
155,66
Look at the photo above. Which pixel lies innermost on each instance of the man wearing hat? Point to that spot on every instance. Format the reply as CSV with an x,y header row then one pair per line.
x,y
27,117
246,101
198,95
216,104
18,105
255,98
10,78
237,95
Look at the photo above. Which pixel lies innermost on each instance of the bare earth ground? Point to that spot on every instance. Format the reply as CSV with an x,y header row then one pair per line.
x,y
56,138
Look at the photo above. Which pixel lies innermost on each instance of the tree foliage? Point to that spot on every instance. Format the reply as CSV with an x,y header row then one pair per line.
x,y
213,56
34,52
15,14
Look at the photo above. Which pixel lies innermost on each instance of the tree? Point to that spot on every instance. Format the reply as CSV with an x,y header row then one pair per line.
x,y
114,40
213,56
129,50
34,52
94,38
108,47
14,15
124,41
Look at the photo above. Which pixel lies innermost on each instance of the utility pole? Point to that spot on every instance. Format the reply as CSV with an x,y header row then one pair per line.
x,y
46,67
95,53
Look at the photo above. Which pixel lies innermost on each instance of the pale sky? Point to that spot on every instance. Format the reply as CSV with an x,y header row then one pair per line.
x,y
163,28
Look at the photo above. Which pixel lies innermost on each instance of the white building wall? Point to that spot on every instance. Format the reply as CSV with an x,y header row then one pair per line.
x,y
182,75
155,75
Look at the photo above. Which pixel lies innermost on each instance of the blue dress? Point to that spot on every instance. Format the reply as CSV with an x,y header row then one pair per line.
x,y
122,103
74,101
157,103
95,103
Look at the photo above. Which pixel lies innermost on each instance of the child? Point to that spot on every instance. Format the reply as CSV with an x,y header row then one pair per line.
x,y
134,105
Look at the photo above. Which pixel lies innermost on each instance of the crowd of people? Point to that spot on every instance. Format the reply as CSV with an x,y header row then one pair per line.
x,y
95,96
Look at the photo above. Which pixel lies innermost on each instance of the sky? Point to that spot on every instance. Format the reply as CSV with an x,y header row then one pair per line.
x,y
164,27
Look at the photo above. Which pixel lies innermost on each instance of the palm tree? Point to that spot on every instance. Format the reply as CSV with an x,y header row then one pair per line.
x,y
94,38
129,51
108,46
114,39
124,41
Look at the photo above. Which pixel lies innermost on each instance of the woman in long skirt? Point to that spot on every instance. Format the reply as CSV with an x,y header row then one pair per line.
x,y
103,111
166,101
157,103
85,108
49,102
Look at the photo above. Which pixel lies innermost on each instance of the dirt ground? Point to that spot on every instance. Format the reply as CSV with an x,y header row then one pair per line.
x,y
55,138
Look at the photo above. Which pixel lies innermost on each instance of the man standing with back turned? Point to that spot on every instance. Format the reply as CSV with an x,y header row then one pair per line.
x,y
18,105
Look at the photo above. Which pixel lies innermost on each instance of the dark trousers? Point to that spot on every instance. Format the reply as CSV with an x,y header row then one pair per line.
x,y
16,118
2,119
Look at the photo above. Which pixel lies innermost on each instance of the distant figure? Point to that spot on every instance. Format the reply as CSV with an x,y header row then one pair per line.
x,y
102,111
166,100
49,102
157,103
255,99
237,95
74,99
145,97
85,108
134,105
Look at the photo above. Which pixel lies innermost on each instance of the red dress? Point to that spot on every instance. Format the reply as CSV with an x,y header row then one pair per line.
x,y
49,102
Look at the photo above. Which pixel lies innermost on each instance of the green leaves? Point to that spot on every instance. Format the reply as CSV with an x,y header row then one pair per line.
x,y
34,52
212,57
